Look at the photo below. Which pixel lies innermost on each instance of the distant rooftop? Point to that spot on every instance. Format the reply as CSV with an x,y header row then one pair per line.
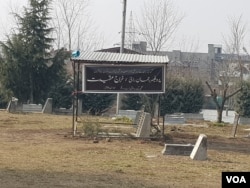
x,y
117,50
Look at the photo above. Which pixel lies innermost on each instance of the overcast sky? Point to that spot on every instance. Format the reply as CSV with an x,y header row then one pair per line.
x,y
205,20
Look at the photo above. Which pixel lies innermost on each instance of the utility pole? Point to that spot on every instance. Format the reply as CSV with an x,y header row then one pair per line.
x,y
122,46
123,25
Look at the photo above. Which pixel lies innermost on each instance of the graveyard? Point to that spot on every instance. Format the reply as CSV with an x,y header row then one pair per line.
x,y
38,150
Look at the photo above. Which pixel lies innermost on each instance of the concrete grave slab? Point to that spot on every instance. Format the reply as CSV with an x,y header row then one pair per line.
x,y
174,119
177,149
32,108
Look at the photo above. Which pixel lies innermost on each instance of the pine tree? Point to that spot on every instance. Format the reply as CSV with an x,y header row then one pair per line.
x,y
13,65
96,104
61,86
192,96
34,32
243,100
184,96
132,102
29,69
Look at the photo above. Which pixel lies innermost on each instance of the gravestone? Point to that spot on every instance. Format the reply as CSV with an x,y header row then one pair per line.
x,y
137,118
47,109
144,125
79,110
235,125
200,149
12,106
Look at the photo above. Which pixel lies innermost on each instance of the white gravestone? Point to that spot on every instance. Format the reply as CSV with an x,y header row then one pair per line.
x,y
200,149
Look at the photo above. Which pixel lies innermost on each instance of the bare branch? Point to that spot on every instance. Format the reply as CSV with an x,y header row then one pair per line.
x,y
234,93
213,94
70,15
158,23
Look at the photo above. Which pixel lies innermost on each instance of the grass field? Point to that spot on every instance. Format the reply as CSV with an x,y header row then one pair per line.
x,y
37,150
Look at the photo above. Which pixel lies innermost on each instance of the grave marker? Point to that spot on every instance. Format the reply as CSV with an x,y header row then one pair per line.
x,y
235,125
200,149
144,125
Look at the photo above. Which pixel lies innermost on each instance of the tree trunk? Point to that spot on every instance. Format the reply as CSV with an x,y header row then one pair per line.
x,y
31,89
69,35
219,115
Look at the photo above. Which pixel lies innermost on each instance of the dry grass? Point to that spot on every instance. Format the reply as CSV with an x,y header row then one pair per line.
x,y
38,151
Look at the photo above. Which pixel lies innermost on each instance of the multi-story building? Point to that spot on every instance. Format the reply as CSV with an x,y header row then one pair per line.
x,y
219,69
213,66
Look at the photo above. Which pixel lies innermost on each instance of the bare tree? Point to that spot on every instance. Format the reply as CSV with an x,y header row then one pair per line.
x,y
189,44
68,21
13,25
57,32
185,62
235,42
158,23
230,73
74,28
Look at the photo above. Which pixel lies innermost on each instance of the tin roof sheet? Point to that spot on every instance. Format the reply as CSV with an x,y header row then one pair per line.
x,y
107,57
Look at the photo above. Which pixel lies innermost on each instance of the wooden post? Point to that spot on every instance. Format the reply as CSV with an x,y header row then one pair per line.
x,y
235,125
163,126
73,100
77,90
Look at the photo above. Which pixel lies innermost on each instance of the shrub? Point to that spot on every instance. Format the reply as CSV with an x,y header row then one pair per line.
x,y
91,128
123,119
132,101
96,104
184,96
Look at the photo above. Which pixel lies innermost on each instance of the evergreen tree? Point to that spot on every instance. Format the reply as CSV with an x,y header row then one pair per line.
x,y
95,104
243,100
181,95
136,101
172,99
193,96
35,32
132,102
61,84
30,69
13,66
184,96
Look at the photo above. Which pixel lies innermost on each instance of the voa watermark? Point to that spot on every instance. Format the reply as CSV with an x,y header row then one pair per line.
x,y
235,179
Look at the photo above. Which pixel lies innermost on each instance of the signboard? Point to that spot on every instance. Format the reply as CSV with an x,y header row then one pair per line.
x,y
123,79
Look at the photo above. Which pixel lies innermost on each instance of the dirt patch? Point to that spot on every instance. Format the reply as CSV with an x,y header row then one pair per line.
x,y
38,150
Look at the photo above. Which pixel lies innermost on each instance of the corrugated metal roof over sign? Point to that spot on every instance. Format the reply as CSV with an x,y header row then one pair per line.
x,y
107,57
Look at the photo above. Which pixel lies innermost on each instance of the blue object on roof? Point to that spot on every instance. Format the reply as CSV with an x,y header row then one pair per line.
x,y
75,53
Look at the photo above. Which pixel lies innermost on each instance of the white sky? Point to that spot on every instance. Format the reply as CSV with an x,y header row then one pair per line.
x,y
205,20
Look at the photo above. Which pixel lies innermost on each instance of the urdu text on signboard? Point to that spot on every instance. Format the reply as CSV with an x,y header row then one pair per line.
x,y
123,79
